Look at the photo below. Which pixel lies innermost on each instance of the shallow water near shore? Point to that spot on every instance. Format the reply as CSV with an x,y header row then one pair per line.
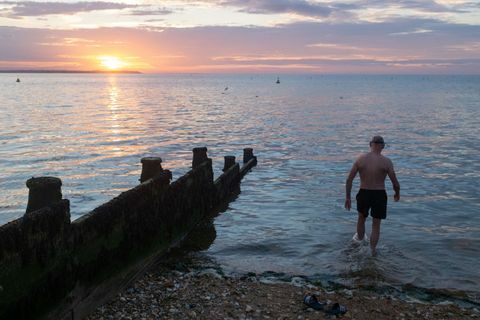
x,y
92,130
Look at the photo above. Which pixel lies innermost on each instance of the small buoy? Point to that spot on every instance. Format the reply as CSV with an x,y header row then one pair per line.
x,y
18,79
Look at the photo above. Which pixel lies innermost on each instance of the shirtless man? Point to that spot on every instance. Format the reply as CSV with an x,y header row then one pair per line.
x,y
373,168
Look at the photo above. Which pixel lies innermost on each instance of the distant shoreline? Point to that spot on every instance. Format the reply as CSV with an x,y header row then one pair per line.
x,y
70,71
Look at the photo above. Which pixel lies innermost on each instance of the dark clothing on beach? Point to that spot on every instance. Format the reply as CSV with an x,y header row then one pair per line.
x,y
376,200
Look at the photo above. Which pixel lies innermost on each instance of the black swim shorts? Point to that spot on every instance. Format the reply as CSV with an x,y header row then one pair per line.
x,y
373,200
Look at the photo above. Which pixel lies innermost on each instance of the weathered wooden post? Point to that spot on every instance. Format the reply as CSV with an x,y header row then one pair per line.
x,y
249,161
151,166
229,162
43,192
199,156
247,154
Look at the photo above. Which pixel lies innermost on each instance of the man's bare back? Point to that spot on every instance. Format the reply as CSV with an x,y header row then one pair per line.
x,y
373,169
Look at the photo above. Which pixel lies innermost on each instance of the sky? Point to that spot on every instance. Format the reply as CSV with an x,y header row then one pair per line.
x,y
243,36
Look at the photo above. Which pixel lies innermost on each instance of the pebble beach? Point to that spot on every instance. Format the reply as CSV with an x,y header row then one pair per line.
x,y
177,291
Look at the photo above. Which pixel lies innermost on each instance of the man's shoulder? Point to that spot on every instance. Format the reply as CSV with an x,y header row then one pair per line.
x,y
387,160
361,157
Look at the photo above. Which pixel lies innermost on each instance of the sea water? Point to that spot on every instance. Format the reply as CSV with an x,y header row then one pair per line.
x,y
92,130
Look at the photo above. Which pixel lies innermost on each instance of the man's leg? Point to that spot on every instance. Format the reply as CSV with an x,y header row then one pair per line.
x,y
375,235
361,225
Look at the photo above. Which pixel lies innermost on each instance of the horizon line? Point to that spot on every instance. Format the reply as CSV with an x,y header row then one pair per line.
x,y
67,71
225,73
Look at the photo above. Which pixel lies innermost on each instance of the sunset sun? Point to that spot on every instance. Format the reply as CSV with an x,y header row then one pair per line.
x,y
111,63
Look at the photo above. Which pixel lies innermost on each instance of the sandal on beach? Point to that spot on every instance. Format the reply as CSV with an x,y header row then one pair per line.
x,y
311,301
336,309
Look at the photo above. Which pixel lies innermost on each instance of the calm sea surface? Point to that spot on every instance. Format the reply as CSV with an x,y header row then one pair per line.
x,y
92,130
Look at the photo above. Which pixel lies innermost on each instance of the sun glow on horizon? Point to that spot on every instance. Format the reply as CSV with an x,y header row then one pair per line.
x,y
111,63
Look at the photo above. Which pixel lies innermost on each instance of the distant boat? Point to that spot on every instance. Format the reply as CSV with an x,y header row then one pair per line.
x,y
278,79
18,79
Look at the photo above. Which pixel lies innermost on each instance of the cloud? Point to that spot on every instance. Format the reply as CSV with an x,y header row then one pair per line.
x,y
404,33
20,9
151,12
365,64
361,60
298,7
336,46
69,42
420,5
328,8
473,46
183,13
345,10
78,42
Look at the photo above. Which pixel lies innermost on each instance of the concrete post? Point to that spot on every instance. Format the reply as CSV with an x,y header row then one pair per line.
x,y
151,166
247,154
229,162
43,192
199,156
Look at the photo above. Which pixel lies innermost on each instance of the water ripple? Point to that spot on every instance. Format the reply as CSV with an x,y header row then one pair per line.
x,y
92,130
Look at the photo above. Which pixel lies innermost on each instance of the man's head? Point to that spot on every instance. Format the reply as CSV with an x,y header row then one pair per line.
x,y
377,142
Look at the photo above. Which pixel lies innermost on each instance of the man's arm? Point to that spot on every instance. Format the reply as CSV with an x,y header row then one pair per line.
x,y
348,185
395,183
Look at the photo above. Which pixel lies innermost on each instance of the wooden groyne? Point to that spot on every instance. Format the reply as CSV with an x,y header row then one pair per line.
x,y
44,256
